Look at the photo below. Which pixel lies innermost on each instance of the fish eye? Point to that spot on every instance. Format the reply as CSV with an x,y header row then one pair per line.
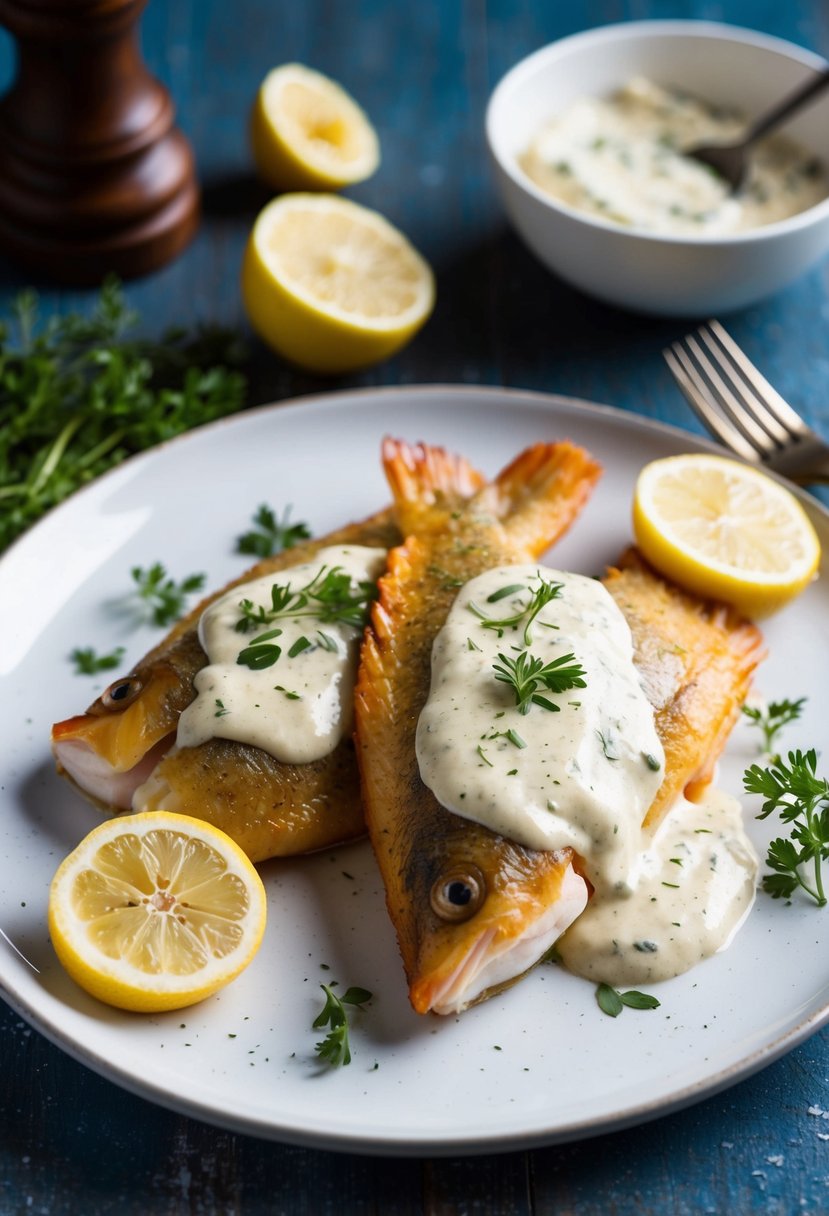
x,y
457,896
121,693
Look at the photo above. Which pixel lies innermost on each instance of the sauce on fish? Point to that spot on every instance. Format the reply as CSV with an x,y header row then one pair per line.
x,y
281,661
580,768
695,885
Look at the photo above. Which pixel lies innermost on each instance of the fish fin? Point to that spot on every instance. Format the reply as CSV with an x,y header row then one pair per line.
x,y
540,493
428,483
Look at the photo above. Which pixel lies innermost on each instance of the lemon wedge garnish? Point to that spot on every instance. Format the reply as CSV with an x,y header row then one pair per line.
x,y
724,530
307,133
156,911
331,285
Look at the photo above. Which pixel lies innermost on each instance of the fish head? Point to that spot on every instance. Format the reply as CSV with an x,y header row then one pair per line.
x,y
484,915
109,750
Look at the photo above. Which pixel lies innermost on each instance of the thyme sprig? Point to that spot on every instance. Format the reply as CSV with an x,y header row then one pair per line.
x,y
540,596
80,393
801,798
330,597
526,674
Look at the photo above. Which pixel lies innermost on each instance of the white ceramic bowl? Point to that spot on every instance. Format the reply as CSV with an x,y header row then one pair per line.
x,y
654,273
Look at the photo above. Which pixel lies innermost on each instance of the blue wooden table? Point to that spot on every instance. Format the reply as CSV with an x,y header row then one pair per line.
x,y
71,1142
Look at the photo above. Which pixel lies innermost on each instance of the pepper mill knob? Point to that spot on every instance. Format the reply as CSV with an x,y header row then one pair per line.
x,y
94,176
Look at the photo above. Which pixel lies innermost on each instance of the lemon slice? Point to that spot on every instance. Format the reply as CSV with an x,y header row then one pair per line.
x,y
331,285
724,530
156,911
307,133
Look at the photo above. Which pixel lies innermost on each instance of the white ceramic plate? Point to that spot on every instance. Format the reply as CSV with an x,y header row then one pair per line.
x,y
537,1064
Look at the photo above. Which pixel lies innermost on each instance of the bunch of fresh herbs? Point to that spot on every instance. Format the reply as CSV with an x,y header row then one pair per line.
x,y
78,394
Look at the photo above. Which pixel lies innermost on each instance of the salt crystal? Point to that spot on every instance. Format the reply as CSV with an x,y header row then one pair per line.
x,y
776,1160
816,1111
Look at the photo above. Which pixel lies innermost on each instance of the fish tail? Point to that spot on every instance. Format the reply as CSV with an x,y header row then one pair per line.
x,y
427,482
538,496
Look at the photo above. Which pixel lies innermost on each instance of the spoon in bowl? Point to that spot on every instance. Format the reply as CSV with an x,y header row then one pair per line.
x,y
730,161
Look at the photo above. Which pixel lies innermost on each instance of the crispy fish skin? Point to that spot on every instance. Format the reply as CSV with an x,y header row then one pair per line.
x,y
272,809
519,900
696,660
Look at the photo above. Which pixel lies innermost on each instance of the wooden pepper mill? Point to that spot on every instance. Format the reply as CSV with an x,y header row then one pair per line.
x,y
94,176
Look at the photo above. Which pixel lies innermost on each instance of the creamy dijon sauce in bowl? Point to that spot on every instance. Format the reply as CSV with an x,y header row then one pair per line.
x,y
620,158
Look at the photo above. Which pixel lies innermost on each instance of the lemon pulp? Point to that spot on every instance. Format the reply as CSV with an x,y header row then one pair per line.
x,y
156,911
332,285
724,530
308,133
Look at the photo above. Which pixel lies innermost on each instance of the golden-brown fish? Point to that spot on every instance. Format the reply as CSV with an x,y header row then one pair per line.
x,y
471,909
695,660
270,808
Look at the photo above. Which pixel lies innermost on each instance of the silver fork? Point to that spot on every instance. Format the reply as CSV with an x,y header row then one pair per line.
x,y
740,407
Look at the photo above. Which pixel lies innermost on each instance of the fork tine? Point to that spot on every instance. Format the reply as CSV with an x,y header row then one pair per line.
x,y
771,409
686,377
721,392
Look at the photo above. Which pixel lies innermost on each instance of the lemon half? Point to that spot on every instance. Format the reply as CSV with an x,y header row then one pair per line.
x,y
307,133
156,911
724,530
331,285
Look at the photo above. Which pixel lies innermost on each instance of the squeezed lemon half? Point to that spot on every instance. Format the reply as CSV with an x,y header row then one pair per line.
x,y
307,133
331,285
156,911
724,530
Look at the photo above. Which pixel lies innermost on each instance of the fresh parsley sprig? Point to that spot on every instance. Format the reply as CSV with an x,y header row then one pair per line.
x,y
329,597
334,1048
272,533
163,597
771,719
540,596
526,674
89,663
801,798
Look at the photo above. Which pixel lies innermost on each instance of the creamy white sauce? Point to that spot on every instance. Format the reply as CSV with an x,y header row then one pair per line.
x,y
588,772
696,884
300,707
583,776
621,158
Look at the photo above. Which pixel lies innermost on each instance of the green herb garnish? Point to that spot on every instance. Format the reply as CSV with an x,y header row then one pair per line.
x,y
273,533
772,718
612,1002
802,799
163,597
79,394
220,708
540,596
330,597
334,1048
526,675
88,663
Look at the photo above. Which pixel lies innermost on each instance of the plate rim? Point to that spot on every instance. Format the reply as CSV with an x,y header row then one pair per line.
x,y
428,1144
